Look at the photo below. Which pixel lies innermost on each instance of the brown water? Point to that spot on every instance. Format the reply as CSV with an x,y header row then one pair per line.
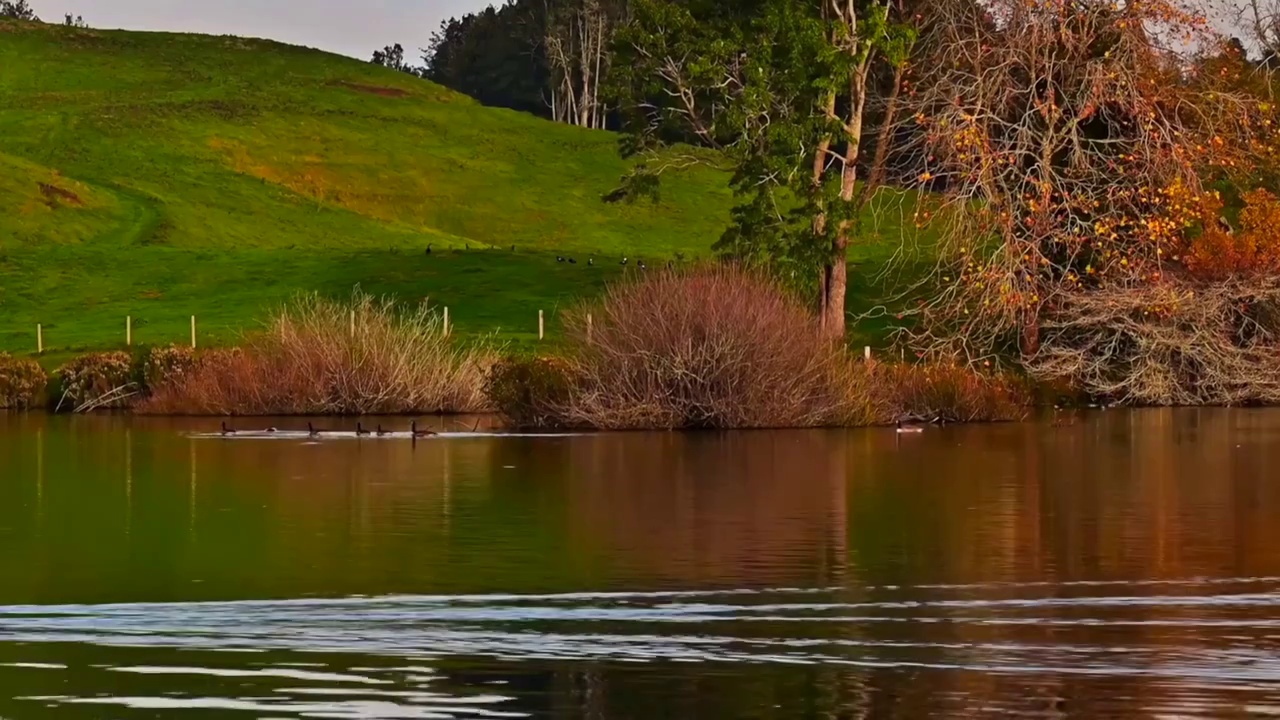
x,y
1127,565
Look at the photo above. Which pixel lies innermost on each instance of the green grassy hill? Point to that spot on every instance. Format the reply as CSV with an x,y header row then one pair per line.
x,y
163,175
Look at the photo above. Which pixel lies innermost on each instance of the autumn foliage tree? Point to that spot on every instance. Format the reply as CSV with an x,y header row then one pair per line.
x,y
1078,144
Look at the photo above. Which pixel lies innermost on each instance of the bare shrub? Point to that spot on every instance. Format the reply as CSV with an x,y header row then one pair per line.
x,y
713,347
950,393
1168,344
96,381
722,347
21,382
366,356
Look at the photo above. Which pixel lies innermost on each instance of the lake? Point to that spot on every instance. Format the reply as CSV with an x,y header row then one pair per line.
x,y
1121,564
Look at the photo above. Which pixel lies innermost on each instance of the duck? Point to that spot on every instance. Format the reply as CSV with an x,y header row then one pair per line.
x,y
381,432
312,432
360,431
226,430
559,258
640,264
624,262
573,261
429,248
908,429
591,262
413,429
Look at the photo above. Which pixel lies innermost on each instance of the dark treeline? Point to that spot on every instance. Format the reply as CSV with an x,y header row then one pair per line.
x,y
551,58
18,9
21,10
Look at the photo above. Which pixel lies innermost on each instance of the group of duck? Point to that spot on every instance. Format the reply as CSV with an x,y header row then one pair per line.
x,y
563,259
316,433
592,261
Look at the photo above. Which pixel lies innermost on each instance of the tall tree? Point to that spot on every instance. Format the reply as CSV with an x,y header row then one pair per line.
x,y
391,56
577,49
789,91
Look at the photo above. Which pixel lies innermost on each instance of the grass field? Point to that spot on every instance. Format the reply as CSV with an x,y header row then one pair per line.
x,y
161,176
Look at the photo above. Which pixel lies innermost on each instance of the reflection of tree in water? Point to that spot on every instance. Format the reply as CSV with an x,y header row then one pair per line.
x,y
746,510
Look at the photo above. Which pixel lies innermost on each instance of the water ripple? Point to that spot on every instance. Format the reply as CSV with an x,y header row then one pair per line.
x,y
1192,634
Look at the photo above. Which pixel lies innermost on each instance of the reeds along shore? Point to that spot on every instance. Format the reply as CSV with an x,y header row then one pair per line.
x,y
320,357
716,347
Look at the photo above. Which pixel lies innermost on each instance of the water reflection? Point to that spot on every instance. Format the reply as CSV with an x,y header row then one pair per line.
x,y
1124,564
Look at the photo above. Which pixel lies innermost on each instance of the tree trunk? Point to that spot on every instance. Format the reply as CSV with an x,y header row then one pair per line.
x,y
835,285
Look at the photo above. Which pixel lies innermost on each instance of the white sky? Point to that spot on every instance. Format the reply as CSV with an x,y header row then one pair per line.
x,y
350,27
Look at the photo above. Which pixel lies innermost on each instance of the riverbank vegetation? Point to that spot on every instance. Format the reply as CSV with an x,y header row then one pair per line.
x,y
716,346
321,357
726,347
22,383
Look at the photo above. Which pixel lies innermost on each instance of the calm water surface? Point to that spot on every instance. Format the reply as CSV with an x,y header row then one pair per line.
x,y
1126,565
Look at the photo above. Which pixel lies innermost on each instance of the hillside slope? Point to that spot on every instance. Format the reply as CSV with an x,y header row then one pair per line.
x,y
163,175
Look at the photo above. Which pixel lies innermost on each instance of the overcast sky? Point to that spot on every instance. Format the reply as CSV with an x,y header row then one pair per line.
x,y
350,27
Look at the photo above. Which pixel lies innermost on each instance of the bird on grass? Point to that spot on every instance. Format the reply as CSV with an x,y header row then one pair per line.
x,y
416,433
591,262
559,258
640,264
360,431
226,430
572,261
429,248
624,262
